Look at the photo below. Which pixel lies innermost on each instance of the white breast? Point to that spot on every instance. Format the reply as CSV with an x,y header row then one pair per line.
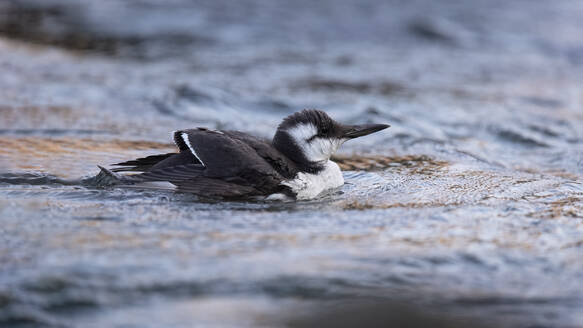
x,y
308,186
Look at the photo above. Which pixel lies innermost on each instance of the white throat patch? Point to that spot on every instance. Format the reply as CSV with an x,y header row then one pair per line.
x,y
317,149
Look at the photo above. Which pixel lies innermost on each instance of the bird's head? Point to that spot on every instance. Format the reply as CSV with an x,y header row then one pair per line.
x,y
310,137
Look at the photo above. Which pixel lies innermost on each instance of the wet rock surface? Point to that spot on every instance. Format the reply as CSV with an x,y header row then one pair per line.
x,y
466,211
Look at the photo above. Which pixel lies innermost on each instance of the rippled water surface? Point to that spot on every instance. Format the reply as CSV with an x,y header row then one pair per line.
x,y
468,210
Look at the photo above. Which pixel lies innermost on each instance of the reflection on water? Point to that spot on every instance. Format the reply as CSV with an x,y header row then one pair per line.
x,y
467,210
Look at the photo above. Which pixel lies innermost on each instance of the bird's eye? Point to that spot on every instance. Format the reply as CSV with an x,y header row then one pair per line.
x,y
324,131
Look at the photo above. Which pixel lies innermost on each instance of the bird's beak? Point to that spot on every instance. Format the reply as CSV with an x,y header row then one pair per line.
x,y
355,131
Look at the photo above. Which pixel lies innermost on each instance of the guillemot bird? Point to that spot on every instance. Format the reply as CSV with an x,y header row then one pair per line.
x,y
231,164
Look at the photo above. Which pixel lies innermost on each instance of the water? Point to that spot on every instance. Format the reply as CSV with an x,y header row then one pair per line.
x,y
468,210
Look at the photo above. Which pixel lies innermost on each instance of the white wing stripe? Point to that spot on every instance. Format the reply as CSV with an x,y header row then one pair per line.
x,y
184,136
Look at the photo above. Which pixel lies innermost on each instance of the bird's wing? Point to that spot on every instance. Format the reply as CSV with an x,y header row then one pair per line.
x,y
215,163
220,154
144,164
171,173
265,150
141,164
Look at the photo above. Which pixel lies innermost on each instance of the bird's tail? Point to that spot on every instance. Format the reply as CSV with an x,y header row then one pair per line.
x,y
107,178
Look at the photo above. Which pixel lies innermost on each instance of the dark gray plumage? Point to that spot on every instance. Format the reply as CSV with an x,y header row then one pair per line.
x,y
232,164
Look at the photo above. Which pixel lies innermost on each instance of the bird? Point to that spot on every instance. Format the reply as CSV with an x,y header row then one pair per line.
x,y
294,165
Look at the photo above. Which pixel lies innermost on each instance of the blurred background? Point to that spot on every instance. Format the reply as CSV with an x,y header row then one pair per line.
x,y
468,210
